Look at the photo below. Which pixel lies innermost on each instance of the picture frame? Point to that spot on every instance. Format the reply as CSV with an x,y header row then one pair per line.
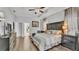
x,y
35,23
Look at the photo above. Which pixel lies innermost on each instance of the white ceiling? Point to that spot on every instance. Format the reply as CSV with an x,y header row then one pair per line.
x,y
22,13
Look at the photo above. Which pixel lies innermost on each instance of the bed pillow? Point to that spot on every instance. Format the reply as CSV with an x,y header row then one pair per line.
x,y
49,32
54,32
57,32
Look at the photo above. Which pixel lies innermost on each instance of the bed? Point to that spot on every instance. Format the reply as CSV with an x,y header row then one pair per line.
x,y
45,41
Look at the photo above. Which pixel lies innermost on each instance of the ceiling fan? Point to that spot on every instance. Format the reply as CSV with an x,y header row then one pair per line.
x,y
38,10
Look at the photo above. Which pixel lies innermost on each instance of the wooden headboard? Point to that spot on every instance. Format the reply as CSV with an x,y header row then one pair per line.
x,y
55,25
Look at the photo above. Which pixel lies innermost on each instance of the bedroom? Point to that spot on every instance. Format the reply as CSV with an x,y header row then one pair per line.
x,y
39,28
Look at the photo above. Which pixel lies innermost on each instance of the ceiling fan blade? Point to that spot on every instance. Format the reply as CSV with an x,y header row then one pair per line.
x,y
41,11
31,9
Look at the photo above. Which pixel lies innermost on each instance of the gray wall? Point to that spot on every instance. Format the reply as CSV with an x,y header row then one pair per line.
x,y
56,17
59,16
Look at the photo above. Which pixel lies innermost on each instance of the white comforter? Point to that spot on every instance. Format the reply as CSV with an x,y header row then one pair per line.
x,y
44,41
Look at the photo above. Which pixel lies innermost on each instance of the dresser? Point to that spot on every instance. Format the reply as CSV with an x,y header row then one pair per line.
x,y
4,43
70,42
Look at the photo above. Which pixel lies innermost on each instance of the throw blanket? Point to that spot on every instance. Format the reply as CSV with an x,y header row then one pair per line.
x,y
45,41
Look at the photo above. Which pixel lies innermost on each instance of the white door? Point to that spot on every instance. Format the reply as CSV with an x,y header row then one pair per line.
x,y
26,37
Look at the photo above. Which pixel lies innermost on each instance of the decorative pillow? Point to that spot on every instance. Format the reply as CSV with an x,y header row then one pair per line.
x,y
57,32
49,32
40,31
33,34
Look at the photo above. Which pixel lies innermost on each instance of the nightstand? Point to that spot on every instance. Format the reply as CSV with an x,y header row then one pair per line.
x,y
70,42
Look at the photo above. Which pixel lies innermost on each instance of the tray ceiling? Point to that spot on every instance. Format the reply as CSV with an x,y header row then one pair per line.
x,y
24,13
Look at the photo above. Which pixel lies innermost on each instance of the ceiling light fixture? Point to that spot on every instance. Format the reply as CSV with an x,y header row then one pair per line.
x,y
38,10
2,17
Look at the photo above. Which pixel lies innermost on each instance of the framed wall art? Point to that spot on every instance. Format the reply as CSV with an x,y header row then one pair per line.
x,y
35,23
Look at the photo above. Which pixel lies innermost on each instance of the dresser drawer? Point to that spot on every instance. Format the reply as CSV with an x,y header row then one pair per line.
x,y
69,41
69,45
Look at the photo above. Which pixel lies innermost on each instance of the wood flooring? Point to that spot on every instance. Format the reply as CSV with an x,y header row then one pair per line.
x,y
20,47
